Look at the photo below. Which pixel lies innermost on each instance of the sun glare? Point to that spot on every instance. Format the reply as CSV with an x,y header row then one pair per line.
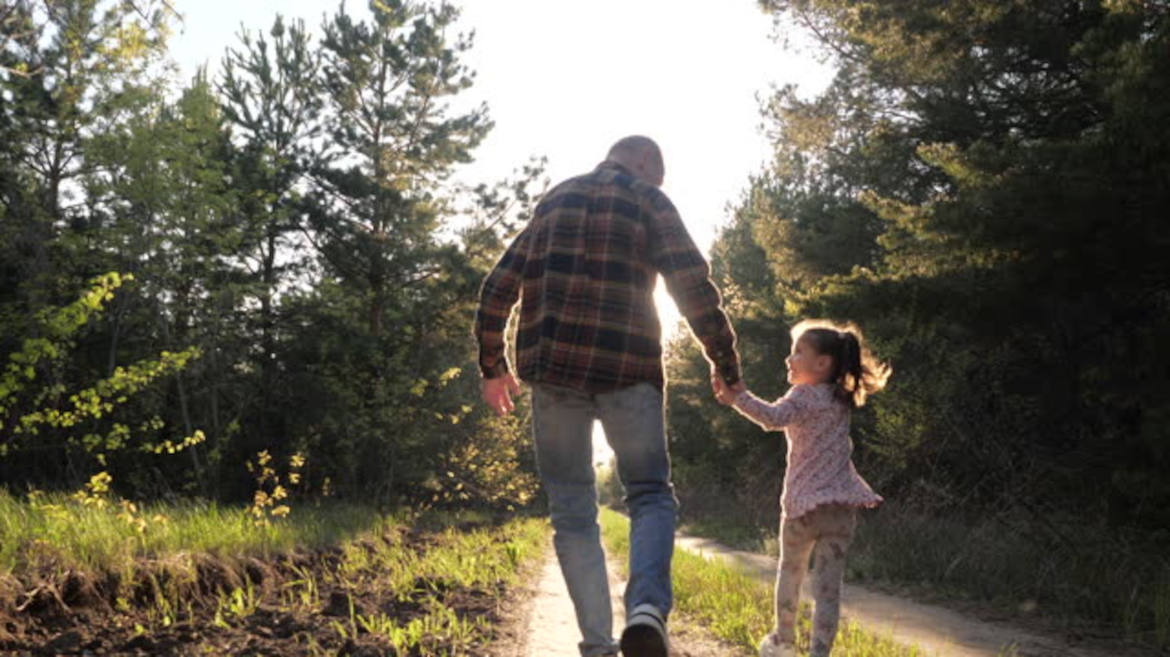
x,y
601,451
669,316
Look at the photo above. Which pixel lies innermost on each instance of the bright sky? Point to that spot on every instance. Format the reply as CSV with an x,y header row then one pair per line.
x,y
565,79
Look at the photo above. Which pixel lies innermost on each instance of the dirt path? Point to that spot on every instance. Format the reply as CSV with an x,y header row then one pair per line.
x,y
552,625
936,630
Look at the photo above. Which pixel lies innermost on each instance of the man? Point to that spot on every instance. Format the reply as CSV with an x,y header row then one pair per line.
x,y
589,343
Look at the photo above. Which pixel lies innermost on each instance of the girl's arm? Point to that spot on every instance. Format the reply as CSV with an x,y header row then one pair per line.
x,y
770,417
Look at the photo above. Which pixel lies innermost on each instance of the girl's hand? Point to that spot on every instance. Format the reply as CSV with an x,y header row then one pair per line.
x,y
723,393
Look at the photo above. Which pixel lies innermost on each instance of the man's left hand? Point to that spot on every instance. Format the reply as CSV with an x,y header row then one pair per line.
x,y
498,393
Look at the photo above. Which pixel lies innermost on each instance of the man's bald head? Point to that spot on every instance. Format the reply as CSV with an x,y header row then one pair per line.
x,y
641,156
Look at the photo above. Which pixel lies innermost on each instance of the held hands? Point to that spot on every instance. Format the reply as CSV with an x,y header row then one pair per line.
x,y
724,393
498,393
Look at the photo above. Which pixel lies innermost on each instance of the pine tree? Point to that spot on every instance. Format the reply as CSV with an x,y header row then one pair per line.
x,y
982,188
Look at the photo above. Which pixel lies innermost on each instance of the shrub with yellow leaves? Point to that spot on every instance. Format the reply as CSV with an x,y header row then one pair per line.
x,y
267,501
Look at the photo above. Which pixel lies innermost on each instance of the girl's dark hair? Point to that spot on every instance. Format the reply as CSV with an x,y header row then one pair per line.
x,y
856,373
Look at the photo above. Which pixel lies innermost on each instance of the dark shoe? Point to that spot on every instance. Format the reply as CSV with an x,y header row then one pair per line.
x,y
645,633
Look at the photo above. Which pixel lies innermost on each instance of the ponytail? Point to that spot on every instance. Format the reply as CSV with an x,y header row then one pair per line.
x,y
856,372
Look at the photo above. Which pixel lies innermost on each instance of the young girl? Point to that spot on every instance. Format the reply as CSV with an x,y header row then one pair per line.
x,y
831,372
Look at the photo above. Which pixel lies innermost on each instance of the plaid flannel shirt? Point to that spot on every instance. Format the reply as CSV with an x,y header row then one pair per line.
x,y
584,269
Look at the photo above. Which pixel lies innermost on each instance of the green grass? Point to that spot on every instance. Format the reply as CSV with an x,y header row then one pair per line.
x,y
483,559
738,607
88,538
1066,572
434,563
733,533
1089,575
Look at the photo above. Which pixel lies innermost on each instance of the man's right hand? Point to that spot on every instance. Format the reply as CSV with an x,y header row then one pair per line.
x,y
498,393
724,393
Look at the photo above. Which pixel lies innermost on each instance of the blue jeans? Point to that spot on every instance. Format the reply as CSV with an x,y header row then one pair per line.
x,y
562,425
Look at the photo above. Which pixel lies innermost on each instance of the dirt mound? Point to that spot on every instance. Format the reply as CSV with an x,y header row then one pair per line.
x,y
198,604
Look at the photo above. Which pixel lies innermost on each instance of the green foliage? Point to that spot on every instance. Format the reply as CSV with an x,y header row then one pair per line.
x,y
68,69
298,254
982,189
76,416
58,327
270,92
1014,283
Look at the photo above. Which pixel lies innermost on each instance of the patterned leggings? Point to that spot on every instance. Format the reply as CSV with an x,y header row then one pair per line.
x,y
825,532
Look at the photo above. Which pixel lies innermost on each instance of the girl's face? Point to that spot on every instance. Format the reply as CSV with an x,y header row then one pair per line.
x,y
807,366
